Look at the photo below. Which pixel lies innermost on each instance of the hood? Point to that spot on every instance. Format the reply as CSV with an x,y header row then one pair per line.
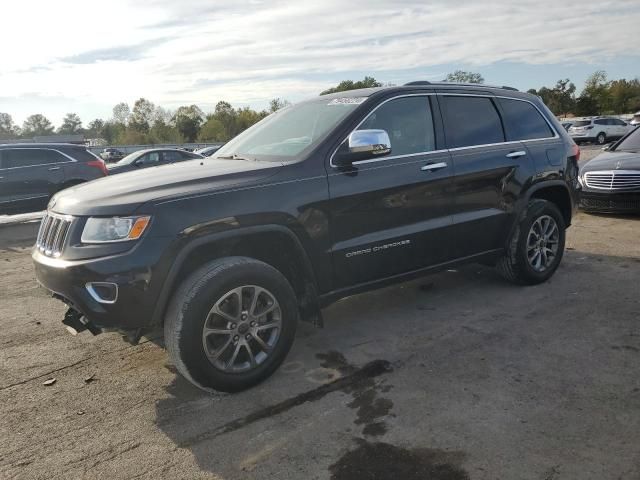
x,y
123,194
613,161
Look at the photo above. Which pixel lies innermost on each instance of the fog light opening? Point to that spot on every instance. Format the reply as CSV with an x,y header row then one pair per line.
x,y
103,292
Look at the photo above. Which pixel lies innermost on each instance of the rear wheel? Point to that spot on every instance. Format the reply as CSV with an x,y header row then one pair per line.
x,y
601,138
536,245
231,324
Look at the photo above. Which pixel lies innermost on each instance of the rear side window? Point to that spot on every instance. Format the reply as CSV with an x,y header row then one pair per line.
x,y
171,156
31,156
408,122
601,122
523,121
582,123
470,121
82,155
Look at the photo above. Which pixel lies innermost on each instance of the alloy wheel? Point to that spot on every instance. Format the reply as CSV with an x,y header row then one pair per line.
x,y
542,243
242,329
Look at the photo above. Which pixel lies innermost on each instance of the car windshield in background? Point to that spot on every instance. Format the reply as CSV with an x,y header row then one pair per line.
x,y
631,143
130,158
581,123
290,131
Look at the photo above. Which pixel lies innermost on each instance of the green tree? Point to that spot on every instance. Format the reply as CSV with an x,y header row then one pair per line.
x,y
112,131
343,86
71,124
596,93
7,128
187,121
461,76
121,113
212,131
94,128
142,116
625,95
36,125
278,103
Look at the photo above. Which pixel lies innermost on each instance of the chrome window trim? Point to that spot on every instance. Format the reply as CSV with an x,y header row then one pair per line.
x,y
71,160
444,94
391,157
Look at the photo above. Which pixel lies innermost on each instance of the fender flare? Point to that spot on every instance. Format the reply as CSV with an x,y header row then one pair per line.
x,y
170,279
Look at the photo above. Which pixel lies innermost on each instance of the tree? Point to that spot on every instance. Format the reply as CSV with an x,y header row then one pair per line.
x,y
343,86
7,128
596,93
212,131
71,124
187,120
112,131
95,127
460,76
36,125
121,113
278,103
141,117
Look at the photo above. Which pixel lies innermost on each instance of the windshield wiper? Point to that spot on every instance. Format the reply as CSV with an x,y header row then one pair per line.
x,y
234,156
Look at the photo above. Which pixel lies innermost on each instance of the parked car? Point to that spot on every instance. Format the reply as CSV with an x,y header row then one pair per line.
x,y
330,197
151,157
611,181
31,173
111,155
635,121
566,125
208,151
598,129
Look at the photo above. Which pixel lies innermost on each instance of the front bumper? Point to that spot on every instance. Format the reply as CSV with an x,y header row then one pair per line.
x,y
610,202
135,275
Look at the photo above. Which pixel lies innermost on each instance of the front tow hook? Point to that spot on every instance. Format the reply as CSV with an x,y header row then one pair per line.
x,y
76,323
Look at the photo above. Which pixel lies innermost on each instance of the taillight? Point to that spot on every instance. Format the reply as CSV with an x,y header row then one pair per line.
x,y
576,152
99,164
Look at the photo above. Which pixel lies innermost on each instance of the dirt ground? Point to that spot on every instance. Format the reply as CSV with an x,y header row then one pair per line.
x,y
455,376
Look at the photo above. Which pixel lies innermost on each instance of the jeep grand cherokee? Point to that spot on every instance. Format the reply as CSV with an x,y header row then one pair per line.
x,y
333,196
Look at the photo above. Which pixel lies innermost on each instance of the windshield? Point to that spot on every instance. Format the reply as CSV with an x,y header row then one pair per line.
x,y
290,131
631,143
581,123
130,158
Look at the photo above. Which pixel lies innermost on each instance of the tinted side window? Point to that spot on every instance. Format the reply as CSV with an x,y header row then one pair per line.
x,y
150,159
523,121
600,122
408,122
173,156
81,154
470,121
31,156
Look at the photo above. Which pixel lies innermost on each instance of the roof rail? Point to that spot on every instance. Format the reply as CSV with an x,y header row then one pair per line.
x,y
461,84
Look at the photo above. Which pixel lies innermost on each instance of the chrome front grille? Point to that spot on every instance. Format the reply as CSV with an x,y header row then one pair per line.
x,y
53,233
613,180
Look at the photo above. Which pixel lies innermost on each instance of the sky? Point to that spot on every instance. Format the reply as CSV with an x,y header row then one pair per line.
x,y
85,56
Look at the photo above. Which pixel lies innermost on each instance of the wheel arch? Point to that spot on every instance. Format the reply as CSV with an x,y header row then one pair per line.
x,y
274,245
557,193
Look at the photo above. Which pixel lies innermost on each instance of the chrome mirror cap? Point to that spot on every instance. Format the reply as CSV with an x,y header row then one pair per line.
x,y
369,142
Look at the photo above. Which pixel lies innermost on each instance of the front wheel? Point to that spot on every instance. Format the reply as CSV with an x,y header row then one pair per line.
x,y
601,138
536,245
231,324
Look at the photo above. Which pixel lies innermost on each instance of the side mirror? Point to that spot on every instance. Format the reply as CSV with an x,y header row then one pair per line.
x,y
363,145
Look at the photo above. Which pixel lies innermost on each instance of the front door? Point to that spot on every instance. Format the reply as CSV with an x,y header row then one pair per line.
x,y
391,215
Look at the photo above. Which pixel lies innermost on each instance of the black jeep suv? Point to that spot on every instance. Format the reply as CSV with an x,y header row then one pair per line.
x,y
330,197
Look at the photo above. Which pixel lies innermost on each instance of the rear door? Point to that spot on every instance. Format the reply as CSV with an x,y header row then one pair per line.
x,y
32,175
391,215
488,172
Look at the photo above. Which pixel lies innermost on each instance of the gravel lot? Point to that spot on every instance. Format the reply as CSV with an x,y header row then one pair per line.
x,y
455,376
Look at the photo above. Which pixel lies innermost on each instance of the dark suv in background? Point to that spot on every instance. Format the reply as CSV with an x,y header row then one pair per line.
x,y
31,173
321,200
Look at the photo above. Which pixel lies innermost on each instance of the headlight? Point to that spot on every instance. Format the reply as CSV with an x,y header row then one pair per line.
x,y
114,229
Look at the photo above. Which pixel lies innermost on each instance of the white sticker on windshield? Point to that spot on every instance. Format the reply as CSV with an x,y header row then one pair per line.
x,y
347,101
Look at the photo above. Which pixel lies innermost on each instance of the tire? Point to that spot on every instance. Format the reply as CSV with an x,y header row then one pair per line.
x,y
516,264
601,139
213,295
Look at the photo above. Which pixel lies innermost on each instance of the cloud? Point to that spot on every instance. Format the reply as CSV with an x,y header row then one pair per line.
x,y
198,51
126,53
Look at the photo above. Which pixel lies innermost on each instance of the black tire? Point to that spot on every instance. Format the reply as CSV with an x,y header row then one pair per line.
x,y
601,139
187,313
514,265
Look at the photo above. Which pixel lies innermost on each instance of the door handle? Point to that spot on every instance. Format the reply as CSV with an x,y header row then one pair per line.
x,y
433,166
54,168
518,154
